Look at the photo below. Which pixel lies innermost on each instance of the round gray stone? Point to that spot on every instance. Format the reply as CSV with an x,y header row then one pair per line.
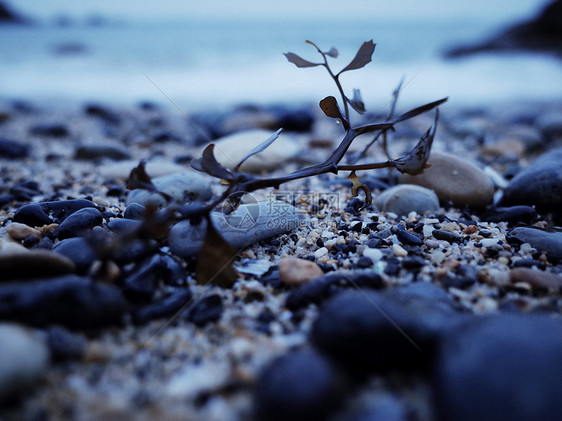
x,y
456,180
406,198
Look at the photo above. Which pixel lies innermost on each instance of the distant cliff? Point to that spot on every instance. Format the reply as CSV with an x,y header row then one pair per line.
x,y
8,16
543,33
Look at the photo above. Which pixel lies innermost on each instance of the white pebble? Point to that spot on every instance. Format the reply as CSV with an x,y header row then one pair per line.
x,y
437,257
427,230
399,251
374,254
301,242
331,242
322,251
526,248
489,242
449,226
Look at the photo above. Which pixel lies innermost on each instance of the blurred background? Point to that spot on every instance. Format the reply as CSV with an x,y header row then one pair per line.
x,y
220,52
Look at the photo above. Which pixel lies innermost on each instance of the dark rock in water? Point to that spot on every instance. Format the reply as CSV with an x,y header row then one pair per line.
x,y
33,264
165,307
501,368
543,33
299,386
12,149
385,407
8,16
5,116
369,331
70,49
168,136
512,214
549,242
539,184
71,301
97,151
294,119
78,223
65,345
78,250
33,215
50,130
102,113
207,309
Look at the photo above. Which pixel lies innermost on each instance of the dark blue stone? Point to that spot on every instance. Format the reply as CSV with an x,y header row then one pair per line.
x,y
78,223
79,250
448,236
33,215
71,301
539,184
12,149
368,331
512,214
141,284
207,309
506,367
302,385
165,307
50,130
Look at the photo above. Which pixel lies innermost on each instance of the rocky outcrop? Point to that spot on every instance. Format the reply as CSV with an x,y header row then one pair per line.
x,y
541,34
8,16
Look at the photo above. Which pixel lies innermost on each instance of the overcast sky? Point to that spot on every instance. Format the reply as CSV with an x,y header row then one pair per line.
x,y
313,9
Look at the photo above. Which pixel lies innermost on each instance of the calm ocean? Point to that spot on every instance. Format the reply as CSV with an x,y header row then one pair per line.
x,y
203,62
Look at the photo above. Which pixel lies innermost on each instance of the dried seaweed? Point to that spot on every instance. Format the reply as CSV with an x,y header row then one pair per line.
x,y
215,250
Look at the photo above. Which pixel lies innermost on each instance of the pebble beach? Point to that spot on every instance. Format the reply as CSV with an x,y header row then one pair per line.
x,y
441,300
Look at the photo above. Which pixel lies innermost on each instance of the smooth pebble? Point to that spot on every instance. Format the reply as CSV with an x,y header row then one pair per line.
x,y
456,180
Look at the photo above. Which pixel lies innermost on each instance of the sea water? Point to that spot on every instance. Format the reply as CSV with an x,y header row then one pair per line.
x,y
210,61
